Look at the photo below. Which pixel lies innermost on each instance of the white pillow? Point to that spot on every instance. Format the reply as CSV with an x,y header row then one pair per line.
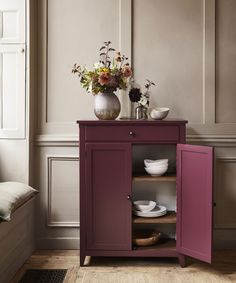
x,y
12,195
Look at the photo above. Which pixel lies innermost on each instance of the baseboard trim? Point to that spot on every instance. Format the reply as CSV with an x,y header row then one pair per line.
x,y
58,243
224,239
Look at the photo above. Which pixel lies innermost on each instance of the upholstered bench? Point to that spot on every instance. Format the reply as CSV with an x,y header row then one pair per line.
x,y
16,227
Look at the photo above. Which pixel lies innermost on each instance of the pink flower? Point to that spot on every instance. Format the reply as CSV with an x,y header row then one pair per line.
x,y
104,78
127,71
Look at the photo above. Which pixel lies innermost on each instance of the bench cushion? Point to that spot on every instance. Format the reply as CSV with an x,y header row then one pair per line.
x,y
13,195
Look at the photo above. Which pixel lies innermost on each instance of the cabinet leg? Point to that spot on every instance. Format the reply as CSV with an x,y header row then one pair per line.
x,y
182,260
82,258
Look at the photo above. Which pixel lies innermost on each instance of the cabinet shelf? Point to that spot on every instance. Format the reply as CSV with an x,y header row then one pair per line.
x,y
164,178
169,218
163,245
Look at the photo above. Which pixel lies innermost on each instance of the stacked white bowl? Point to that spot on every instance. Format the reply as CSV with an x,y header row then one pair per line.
x,y
144,205
156,167
148,208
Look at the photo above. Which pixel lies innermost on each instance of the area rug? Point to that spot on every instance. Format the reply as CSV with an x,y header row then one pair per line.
x,y
44,276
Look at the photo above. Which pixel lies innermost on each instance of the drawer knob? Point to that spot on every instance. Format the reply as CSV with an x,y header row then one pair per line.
x,y
132,134
129,197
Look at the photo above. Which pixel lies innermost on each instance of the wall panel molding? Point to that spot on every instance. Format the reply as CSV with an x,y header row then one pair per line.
x,y
73,140
223,196
209,61
57,140
208,125
125,27
225,63
50,222
124,38
173,18
213,140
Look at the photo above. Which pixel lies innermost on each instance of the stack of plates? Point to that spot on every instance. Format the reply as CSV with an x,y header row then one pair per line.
x,y
159,210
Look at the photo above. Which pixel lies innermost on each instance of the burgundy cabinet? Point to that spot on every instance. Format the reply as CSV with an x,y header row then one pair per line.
x,y
106,180
194,201
108,177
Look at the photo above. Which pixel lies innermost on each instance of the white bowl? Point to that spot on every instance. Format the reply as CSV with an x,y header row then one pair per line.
x,y
156,170
149,162
158,167
144,205
159,113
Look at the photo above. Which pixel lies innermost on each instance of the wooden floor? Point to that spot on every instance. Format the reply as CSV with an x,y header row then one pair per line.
x,y
122,270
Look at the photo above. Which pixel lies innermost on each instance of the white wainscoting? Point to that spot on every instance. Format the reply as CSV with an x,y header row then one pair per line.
x,y
57,210
63,191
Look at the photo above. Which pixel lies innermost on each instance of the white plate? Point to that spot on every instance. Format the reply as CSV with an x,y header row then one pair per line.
x,y
159,210
147,214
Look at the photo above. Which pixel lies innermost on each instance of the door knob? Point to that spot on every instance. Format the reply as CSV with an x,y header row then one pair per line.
x,y
129,197
131,133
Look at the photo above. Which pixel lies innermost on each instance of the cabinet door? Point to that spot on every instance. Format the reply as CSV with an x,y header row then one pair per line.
x,y
194,201
12,21
108,178
12,91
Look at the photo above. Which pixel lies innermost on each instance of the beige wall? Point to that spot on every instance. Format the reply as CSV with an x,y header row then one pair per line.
x,y
172,42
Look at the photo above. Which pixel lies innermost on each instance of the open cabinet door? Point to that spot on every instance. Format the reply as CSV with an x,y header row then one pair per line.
x,y
194,201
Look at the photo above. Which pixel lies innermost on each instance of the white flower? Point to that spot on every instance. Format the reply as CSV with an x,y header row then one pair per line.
x,y
98,65
143,100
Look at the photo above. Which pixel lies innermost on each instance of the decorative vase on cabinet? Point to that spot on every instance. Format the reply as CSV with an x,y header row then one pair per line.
x,y
106,177
106,106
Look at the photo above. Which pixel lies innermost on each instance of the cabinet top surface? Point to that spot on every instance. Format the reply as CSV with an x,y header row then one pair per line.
x,y
133,122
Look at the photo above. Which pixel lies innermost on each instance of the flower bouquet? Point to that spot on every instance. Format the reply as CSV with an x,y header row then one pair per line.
x,y
141,98
106,77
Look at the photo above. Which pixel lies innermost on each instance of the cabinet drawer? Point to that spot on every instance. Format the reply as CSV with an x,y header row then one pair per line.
x,y
149,133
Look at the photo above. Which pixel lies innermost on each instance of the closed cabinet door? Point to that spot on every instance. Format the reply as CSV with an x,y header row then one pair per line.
x,y
108,207
12,91
194,201
12,21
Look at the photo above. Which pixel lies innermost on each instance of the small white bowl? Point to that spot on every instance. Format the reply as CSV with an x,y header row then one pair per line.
x,y
159,113
144,205
149,162
158,167
156,170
